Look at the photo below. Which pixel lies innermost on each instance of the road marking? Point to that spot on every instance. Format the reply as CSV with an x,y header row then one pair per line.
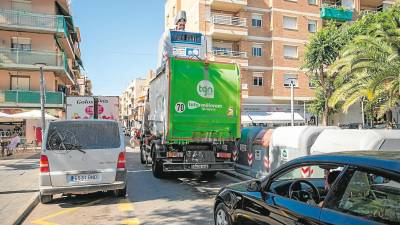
x,y
42,221
125,206
133,221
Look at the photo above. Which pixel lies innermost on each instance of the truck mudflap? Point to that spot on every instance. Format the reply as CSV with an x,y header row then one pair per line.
x,y
214,166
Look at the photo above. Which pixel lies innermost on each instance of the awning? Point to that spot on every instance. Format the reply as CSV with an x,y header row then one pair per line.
x,y
4,115
245,119
274,117
33,114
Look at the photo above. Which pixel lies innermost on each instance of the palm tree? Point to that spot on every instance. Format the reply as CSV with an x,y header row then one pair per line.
x,y
369,68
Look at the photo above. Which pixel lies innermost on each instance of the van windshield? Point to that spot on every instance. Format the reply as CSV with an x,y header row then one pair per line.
x,y
70,135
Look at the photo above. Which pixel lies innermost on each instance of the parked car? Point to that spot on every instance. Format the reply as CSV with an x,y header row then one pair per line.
x,y
82,156
364,190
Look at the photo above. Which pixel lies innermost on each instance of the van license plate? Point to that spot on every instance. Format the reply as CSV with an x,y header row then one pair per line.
x,y
200,166
84,178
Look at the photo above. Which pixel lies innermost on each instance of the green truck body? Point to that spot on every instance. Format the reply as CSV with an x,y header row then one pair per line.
x,y
204,101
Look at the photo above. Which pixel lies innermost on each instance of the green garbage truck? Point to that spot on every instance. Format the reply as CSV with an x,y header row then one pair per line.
x,y
192,117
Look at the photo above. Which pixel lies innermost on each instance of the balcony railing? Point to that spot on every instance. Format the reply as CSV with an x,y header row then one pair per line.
x,y
332,12
16,97
31,21
229,53
228,20
17,59
30,58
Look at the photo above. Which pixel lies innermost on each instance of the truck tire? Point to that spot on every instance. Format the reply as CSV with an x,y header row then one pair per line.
x,y
142,159
157,166
209,174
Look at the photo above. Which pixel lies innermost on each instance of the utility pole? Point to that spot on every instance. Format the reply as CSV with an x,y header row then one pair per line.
x,y
292,102
362,112
42,97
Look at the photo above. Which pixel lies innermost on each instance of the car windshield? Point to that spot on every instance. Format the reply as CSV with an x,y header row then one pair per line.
x,y
83,135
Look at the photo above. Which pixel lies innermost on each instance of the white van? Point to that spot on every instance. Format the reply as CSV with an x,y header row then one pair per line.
x,y
82,156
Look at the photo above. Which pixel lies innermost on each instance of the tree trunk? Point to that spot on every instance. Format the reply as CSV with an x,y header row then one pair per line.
x,y
327,90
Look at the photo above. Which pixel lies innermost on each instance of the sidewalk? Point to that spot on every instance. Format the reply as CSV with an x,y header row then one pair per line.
x,y
18,186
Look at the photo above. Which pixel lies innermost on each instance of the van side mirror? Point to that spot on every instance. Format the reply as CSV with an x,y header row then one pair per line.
x,y
254,186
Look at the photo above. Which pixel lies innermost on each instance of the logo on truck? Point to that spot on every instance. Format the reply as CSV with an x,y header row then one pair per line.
x,y
205,89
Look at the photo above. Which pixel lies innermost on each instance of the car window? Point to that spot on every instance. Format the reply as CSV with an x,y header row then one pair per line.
x,y
83,134
373,197
303,172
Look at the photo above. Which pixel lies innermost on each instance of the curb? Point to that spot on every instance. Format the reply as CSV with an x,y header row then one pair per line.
x,y
23,213
237,175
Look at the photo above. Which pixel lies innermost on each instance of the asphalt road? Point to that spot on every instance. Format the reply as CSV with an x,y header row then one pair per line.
x,y
181,198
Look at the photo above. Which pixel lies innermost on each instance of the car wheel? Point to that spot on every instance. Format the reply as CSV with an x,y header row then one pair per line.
x,y
44,199
120,192
208,174
142,159
221,216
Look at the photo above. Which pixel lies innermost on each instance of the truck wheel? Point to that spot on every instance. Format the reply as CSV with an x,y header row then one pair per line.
x,y
44,199
157,167
142,159
209,174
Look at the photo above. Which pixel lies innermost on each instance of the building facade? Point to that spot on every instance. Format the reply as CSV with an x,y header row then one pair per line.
x,y
36,33
267,39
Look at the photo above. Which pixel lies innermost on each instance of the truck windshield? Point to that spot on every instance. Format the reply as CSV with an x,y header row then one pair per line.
x,y
70,135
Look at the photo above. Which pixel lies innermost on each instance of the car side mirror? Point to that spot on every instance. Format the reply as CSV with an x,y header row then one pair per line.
x,y
254,186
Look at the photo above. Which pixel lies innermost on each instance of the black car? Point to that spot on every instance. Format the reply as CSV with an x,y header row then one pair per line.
x,y
341,188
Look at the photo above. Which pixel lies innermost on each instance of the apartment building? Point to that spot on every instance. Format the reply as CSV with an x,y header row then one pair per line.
x,y
267,39
128,102
36,33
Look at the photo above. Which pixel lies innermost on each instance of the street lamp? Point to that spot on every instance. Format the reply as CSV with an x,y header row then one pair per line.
x,y
292,102
42,96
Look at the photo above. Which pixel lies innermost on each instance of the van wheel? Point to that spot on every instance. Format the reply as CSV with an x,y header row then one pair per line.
x,y
208,174
120,192
44,199
142,159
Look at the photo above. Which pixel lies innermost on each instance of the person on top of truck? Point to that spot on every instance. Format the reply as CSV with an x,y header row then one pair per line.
x,y
165,44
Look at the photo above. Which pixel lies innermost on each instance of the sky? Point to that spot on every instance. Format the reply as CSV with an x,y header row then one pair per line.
x,y
119,40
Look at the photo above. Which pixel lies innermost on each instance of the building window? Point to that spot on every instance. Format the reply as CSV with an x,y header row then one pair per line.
x,y
290,22
312,2
20,83
258,79
21,44
256,51
289,79
312,26
256,20
21,5
290,52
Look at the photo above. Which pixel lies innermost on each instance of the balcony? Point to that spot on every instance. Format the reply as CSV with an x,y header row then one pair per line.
x,y
226,27
41,23
228,5
335,13
26,60
22,98
230,57
34,22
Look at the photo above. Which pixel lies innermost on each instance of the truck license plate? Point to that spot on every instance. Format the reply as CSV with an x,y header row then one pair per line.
x,y
83,178
200,166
